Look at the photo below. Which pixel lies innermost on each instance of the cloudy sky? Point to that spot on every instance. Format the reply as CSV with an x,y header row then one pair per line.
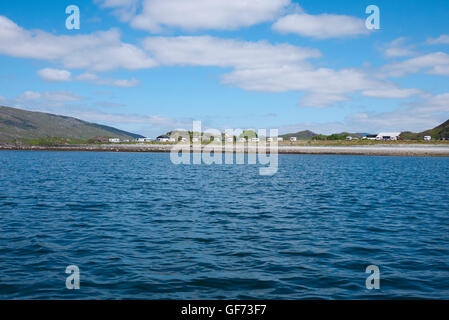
x,y
149,66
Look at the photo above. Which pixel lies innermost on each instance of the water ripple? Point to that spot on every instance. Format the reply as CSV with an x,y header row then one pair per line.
x,y
140,227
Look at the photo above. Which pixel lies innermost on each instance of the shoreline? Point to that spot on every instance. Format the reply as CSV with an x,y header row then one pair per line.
x,y
377,150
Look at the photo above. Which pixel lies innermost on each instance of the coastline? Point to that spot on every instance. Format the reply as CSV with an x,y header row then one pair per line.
x,y
416,150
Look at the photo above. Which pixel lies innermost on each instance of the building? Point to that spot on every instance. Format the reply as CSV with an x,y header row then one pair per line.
x,y
388,136
195,139
114,140
427,138
292,139
348,138
280,139
255,139
370,137
163,138
242,140
269,139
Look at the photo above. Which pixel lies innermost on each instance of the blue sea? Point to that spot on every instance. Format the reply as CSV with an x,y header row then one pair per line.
x,y
139,227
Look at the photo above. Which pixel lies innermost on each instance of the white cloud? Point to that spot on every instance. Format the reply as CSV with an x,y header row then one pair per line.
x,y
94,78
398,48
323,86
418,116
423,114
442,70
196,14
210,51
321,26
54,75
88,76
99,51
318,100
261,66
399,120
301,77
437,103
255,66
443,39
124,9
29,95
124,83
391,92
49,96
432,63
109,104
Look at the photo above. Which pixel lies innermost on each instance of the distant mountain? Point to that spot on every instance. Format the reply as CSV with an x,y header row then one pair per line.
x,y
309,135
18,124
301,135
439,132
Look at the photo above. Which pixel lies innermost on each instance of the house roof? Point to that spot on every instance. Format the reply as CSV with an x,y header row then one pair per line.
x,y
389,134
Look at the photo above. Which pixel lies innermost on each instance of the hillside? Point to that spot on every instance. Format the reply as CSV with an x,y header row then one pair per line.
x,y
301,135
18,124
439,132
309,135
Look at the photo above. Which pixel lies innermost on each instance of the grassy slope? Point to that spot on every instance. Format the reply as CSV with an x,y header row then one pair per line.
x,y
302,135
24,125
441,131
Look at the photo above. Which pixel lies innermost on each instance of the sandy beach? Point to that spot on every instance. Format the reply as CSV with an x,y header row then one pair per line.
x,y
378,150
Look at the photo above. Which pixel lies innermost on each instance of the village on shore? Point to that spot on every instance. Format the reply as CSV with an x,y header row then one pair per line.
x,y
252,138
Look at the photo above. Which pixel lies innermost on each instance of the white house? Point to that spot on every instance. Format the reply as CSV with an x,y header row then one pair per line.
x,y
269,139
388,136
280,139
230,139
255,139
195,139
242,140
427,138
292,139
163,138
370,137
114,140
349,138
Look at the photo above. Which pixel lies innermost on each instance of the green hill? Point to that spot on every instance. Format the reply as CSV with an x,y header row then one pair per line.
x,y
301,135
22,125
437,133
338,136
309,135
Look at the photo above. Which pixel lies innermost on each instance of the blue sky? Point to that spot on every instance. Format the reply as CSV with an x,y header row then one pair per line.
x,y
150,66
